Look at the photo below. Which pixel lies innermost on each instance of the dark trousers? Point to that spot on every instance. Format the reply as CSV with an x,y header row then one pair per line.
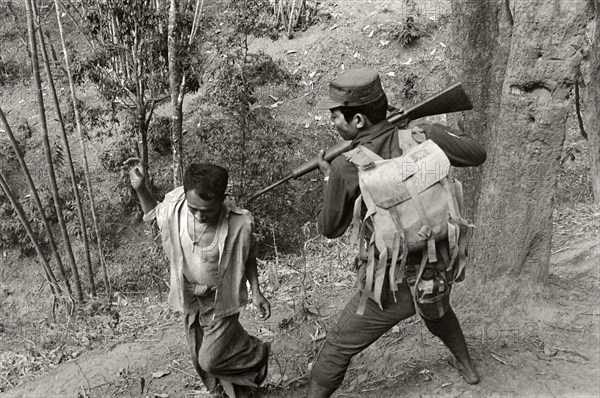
x,y
353,333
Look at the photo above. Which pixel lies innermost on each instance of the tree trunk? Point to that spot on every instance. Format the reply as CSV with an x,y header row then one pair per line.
x,y
140,104
482,34
591,98
177,80
522,60
174,82
46,143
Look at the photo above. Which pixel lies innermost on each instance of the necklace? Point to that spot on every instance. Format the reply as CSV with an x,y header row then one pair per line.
x,y
194,240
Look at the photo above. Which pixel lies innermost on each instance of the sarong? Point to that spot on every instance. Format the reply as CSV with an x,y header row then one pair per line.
x,y
222,349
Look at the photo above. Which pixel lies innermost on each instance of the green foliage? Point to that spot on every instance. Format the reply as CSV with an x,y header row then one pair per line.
x,y
159,138
242,135
406,34
410,86
130,54
117,152
96,118
12,233
14,64
12,70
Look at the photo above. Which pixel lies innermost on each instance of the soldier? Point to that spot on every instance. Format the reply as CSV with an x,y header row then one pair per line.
x,y
358,108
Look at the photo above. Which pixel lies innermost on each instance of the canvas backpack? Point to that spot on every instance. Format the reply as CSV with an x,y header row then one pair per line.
x,y
411,206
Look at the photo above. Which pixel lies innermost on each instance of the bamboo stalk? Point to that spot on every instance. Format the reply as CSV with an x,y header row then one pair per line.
x,y
83,154
50,278
300,8
46,142
32,189
75,189
291,19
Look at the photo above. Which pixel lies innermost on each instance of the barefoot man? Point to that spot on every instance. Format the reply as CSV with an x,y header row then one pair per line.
x,y
210,246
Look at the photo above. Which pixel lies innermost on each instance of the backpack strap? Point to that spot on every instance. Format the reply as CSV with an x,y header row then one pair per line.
x,y
397,270
357,225
380,276
360,310
362,157
393,265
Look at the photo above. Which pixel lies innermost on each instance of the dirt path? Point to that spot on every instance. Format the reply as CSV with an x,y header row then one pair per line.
x,y
555,354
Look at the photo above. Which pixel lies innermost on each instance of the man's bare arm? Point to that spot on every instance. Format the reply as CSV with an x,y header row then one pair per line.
x,y
259,301
138,183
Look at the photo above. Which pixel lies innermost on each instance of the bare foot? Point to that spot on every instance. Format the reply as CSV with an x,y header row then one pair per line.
x,y
467,372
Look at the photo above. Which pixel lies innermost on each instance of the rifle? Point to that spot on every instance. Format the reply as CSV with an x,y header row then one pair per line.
x,y
448,100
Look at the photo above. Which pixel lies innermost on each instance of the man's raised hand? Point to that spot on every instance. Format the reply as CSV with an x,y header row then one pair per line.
x,y
136,172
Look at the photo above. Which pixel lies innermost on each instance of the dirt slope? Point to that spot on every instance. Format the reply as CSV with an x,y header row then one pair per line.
x,y
553,354
552,350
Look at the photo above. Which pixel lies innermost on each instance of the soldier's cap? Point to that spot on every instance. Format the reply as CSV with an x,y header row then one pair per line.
x,y
353,88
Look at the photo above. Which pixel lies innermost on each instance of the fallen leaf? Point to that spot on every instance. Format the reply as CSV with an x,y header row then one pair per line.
x,y
160,373
265,332
426,374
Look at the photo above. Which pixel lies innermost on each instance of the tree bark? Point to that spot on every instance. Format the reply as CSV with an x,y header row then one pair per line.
x,y
521,60
591,98
177,80
482,32
174,82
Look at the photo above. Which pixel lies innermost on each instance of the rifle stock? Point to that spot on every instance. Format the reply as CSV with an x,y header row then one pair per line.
x,y
450,99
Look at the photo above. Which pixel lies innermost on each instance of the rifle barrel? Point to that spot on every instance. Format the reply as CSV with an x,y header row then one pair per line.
x,y
448,100
284,179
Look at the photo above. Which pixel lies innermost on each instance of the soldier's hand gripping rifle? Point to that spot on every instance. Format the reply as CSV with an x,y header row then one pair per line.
x,y
451,99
